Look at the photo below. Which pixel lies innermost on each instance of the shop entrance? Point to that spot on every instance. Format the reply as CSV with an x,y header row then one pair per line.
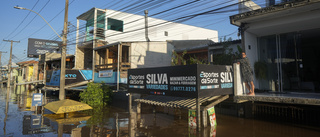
x,y
292,60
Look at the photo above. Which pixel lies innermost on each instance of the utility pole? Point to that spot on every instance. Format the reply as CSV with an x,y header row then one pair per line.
x,y
62,94
63,47
10,63
1,68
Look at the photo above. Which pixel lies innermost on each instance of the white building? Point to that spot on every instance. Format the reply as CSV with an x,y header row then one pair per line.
x,y
114,42
104,26
284,36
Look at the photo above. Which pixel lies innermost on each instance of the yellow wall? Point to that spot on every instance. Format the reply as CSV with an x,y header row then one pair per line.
x,y
30,73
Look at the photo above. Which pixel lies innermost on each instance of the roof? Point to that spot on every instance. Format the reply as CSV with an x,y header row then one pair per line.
x,y
13,65
274,11
54,56
178,102
90,13
186,44
27,62
225,42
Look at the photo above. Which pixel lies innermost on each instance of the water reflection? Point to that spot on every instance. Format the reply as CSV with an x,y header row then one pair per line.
x,y
36,124
6,111
19,118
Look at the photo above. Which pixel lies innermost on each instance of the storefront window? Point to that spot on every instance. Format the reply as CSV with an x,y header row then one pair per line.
x,y
292,61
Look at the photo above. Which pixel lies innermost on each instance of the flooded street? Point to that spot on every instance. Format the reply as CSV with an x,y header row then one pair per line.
x,y
18,118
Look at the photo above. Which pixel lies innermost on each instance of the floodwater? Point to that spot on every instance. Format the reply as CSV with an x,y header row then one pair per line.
x,y
18,119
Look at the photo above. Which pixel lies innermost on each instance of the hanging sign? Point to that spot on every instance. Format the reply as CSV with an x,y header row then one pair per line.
x,y
106,73
37,99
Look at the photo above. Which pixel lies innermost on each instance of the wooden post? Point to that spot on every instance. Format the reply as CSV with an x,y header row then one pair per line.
x,y
198,114
205,118
14,82
132,124
10,63
130,103
60,130
138,114
139,108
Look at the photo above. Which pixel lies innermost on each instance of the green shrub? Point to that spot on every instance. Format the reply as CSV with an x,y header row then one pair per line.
x,y
96,95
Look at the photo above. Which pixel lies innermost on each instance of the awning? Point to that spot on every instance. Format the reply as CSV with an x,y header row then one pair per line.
x,y
181,102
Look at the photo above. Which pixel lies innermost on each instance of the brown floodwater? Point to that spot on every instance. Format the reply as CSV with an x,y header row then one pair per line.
x,y
18,119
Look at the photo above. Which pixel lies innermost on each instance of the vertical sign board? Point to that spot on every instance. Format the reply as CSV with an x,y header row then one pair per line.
x,y
215,80
212,117
182,81
37,99
192,122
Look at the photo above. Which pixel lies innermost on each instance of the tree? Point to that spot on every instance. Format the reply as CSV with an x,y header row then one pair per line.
x,y
181,59
227,57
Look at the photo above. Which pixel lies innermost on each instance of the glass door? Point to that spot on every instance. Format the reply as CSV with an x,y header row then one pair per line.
x,y
282,55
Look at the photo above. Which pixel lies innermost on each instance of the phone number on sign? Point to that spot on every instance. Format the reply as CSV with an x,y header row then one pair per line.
x,y
181,88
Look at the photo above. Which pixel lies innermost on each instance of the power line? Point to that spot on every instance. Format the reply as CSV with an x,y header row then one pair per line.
x,y
48,22
31,20
183,19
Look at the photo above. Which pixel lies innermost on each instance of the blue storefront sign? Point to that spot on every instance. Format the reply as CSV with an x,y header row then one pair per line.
x,y
71,77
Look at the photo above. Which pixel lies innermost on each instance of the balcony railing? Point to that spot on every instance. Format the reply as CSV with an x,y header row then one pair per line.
x,y
123,66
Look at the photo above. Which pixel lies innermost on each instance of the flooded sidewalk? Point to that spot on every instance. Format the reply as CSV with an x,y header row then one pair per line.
x,y
18,118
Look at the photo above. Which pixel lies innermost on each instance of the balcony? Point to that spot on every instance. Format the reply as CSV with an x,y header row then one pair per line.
x,y
123,66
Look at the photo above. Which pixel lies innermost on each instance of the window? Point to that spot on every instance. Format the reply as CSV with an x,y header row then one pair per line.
x,y
166,33
114,24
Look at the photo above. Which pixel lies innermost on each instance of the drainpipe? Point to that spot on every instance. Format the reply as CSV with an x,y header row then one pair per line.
x,y
118,68
146,25
241,32
94,42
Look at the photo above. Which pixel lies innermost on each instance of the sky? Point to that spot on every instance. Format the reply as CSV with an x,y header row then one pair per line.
x,y
19,25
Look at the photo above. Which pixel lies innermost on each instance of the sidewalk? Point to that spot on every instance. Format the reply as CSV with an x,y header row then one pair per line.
x,y
287,97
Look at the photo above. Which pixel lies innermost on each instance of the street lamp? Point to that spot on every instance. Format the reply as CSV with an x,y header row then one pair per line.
x,y
63,47
22,8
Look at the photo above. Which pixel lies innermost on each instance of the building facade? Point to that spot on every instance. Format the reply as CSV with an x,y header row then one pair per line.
x,y
114,42
104,26
285,37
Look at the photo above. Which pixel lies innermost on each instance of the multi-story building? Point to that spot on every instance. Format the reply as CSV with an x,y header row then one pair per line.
x,y
114,41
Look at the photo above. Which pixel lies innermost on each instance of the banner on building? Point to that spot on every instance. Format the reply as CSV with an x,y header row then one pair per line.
x,y
37,47
183,81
